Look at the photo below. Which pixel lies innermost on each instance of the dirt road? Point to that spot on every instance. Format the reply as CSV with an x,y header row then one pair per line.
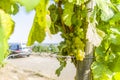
x,y
46,66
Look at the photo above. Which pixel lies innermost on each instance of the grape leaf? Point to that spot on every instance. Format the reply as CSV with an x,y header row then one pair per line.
x,y
6,29
67,13
100,33
92,35
117,76
70,1
41,12
29,4
37,33
16,9
62,65
79,2
115,66
115,36
101,71
115,48
48,25
115,39
115,18
115,31
99,53
107,13
53,12
115,1
9,6
5,5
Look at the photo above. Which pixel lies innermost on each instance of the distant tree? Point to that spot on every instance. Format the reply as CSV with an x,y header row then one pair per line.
x,y
35,49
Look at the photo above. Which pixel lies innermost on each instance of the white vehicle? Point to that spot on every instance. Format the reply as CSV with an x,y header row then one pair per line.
x,y
19,50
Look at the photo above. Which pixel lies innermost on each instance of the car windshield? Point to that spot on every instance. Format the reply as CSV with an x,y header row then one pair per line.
x,y
14,47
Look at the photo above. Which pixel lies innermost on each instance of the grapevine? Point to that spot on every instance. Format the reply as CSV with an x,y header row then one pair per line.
x,y
73,28
79,23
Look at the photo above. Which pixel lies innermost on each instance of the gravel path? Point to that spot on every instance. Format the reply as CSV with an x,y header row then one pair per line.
x,y
46,66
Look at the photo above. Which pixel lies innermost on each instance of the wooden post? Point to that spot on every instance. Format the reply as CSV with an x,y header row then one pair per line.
x,y
83,71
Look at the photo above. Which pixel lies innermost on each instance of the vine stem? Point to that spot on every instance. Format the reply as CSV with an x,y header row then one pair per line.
x,y
60,11
108,48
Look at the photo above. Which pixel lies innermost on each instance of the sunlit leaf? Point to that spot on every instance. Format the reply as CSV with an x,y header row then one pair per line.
x,y
101,71
70,0
115,48
115,18
29,4
48,24
16,9
37,33
53,12
115,65
115,31
6,29
62,65
101,33
92,35
9,6
117,76
115,1
107,13
67,13
79,2
41,12
115,39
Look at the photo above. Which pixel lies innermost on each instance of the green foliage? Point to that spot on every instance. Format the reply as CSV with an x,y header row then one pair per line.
x,y
71,20
116,76
67,13
6,29
115,1
106,12
37,32
114,66
73,34
115,19
78,2
77,23
101,71
46,48
54,18
16,9
62,65
9,6
53,48
107,53
29,4
53,12
35,49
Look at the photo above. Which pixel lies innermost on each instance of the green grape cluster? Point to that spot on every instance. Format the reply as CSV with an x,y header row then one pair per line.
x,y
71,21
73,44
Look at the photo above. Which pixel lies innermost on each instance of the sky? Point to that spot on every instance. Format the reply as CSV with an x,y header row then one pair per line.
x,y
23,24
